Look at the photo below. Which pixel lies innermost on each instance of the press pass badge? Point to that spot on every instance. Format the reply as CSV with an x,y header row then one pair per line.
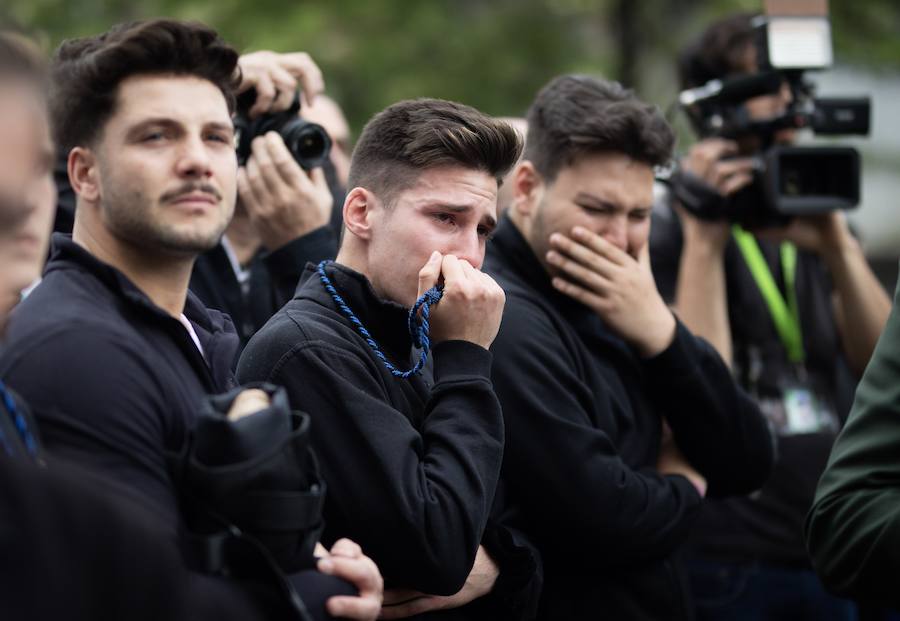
x,y
806,413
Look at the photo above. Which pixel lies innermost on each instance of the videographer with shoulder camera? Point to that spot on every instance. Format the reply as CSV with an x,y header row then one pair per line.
x,y
785,296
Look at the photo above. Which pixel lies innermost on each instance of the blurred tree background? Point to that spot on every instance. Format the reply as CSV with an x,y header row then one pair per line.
x,y
496,54
493,54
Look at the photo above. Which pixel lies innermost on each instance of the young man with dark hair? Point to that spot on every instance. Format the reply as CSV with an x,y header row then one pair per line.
x,y
748,553
412,458
618,420
114,355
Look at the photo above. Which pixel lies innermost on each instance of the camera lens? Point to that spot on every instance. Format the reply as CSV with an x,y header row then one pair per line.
x,y
308,142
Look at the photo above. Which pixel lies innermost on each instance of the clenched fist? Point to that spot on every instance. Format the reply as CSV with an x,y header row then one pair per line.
x,y
472,305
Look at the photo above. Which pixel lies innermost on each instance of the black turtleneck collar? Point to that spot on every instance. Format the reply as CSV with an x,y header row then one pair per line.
x,y
385,320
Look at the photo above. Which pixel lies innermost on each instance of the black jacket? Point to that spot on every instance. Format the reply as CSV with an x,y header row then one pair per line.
x,y
411,465
768,526
71,550
116,385
272,281
583,425
853,528
113,380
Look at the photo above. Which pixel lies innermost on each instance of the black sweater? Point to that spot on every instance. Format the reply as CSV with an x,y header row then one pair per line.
x,y
411,465
114,382
583,425
116,385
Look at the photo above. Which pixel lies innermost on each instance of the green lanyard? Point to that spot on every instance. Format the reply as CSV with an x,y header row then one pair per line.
x,y
785,315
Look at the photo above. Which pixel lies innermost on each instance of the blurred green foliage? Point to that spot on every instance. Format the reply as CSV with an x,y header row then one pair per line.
x,y
493,54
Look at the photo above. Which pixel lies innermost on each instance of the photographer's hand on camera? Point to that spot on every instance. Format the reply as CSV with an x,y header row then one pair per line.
x,y
827,235
472,304
700,295
282,200
615,285
705,161
861,304
276,77
713,161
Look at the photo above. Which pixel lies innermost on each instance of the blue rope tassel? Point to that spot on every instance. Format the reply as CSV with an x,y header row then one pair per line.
x,y
21,425
418,330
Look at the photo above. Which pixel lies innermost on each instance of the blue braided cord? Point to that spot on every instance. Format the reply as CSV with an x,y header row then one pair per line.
x,y
418,331
21,425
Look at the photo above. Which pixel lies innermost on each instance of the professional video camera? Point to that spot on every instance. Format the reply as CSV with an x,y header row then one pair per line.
x,y
788,180
308,142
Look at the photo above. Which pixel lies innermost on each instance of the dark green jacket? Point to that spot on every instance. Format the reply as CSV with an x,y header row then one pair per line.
x,y
853,528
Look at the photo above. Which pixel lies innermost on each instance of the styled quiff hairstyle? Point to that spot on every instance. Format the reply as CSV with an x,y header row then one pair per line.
x,y
86,72
409,137
720,51
577,115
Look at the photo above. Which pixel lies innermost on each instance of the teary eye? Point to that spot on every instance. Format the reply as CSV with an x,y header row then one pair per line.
x,y
442,216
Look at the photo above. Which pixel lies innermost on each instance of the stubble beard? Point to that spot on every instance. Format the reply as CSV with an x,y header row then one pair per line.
x,y
540,239
132,217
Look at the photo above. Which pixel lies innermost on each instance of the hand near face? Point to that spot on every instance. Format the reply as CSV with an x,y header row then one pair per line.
x,y
402,603
825,234
619,288
275,78
346,560
472,305
283,202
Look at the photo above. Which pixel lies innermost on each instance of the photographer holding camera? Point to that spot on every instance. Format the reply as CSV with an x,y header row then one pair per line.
x,y
792,305
286,190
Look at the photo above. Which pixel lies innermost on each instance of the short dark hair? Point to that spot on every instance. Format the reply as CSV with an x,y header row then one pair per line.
x,y
87,71
577,115
408,137
720,51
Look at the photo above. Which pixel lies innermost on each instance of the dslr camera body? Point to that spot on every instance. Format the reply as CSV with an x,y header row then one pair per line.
x,y
309,143
788,180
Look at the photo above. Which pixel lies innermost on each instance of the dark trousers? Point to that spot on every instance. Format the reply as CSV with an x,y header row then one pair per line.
x,y
759,592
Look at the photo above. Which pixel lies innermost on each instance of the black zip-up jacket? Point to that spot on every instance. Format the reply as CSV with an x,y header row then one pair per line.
x,y
411,464
114,381
116,385
583,426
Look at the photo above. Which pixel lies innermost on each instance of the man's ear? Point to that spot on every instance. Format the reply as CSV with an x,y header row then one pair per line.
x,y
83,174
528,189
358,211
